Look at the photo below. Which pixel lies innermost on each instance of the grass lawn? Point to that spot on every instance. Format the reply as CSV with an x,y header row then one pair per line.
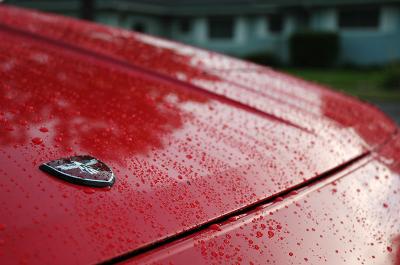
x,y
365,84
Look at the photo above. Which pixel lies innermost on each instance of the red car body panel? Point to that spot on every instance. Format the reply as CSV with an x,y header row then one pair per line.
x,y
351,218
192,136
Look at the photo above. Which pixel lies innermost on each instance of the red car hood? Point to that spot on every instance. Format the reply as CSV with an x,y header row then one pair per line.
x,y
191,136
350,217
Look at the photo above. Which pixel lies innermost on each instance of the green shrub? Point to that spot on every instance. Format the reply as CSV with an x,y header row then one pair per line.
x,y
314,49
392,77
264,58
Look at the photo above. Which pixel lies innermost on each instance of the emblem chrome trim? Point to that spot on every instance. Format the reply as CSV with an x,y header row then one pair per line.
x,y
61,168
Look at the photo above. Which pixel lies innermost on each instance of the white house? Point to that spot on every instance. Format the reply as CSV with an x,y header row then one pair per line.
x,y
369,29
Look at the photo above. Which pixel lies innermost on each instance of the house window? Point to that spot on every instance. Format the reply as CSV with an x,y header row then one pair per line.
x,y
275,23
303,19
220,27
359,17
184,25
138,27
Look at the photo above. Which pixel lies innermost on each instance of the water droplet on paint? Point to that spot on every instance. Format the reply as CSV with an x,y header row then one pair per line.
x,y
215,227
37,140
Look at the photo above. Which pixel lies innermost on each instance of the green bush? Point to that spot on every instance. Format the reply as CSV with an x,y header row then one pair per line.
x,y
264,58
392,77
314,49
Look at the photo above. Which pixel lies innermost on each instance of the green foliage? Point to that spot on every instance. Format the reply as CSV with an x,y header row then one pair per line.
x,y
314,49
367,84
392,79
264,58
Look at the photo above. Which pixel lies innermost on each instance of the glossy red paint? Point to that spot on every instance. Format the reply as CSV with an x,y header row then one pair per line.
x,y
349,218
192,136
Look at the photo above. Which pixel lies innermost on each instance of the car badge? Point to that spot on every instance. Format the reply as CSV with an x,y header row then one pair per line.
x,y
83,170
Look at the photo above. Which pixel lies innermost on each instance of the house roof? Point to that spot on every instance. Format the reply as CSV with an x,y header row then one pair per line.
x,y
209,7
194,7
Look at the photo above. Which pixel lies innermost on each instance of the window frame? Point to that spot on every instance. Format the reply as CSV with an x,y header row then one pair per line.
x,y
357,19
184,25
272,19
230,23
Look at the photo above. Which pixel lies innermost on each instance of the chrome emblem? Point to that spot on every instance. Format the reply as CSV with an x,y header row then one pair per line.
x,y
84,170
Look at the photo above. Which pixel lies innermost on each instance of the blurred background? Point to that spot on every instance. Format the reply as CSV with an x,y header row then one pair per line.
x,y
349,45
